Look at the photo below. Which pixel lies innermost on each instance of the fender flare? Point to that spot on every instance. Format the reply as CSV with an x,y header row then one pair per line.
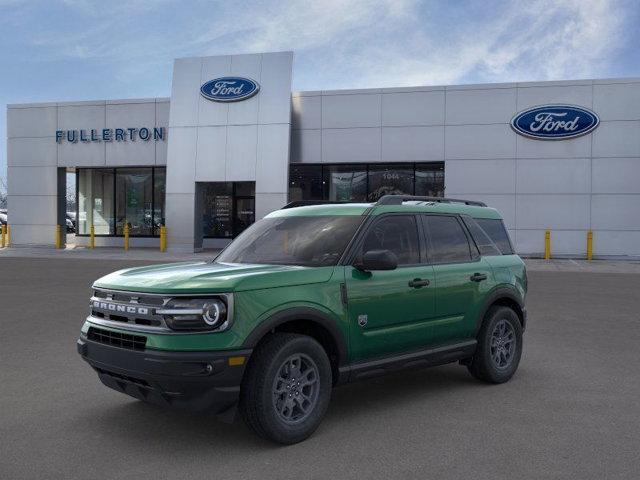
x,y
299,313
498,294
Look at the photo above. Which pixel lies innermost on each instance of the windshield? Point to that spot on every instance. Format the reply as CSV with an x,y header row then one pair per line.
x,y
307,241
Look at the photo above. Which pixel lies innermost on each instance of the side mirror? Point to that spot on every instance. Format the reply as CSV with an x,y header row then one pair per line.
x,y
377,260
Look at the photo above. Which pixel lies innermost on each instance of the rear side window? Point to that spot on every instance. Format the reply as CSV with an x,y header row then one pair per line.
x,y
486,246
396,233
448,242
496,231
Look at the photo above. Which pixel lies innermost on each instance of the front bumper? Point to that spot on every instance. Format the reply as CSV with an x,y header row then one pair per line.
x,y
195,381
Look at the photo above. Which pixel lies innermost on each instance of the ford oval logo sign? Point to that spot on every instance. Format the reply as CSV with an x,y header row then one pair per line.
x,y
229,89
555,122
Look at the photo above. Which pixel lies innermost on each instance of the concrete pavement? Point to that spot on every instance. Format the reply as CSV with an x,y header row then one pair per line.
x,y
571,411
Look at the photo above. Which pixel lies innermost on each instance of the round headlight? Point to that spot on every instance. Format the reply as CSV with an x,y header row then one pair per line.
x,y
214,313
195,314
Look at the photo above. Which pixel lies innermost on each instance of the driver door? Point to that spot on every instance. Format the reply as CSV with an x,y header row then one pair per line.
x,y
389,311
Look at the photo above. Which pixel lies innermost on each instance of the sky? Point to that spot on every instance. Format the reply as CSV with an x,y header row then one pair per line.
x,y
87,50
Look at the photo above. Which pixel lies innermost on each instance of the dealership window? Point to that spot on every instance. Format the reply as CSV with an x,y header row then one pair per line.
x,y
364,182
429,180
159,193
134,201
111,198
227,208
95,201
345,183
305,181
394,179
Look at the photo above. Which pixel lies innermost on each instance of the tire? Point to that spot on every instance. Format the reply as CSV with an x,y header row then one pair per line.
x,y
495,359
276,405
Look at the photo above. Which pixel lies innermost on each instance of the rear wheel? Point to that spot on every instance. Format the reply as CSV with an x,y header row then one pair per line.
x,y
287,387
499,347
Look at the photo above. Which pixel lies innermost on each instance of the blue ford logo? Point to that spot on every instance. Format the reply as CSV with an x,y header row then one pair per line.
x,y
229,89
555,122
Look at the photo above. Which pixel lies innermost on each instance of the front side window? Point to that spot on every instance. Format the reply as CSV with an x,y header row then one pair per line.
x,y
396,233
448,241
312,241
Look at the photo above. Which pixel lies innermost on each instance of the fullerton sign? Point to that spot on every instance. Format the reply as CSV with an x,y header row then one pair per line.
x,y
110,135
555,122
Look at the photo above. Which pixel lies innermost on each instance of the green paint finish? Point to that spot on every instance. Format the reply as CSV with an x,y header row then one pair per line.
x,y
398,317
209,277
383,316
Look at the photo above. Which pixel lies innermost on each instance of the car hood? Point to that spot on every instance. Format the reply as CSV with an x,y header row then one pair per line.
x,y
207,277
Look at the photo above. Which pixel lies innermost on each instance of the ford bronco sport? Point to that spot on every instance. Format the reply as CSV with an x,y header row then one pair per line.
x,y
311,297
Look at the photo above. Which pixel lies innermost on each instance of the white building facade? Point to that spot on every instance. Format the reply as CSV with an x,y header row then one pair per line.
x,y
234,143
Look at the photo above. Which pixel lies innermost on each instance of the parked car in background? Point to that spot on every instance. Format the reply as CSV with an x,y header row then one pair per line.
x,y
71,222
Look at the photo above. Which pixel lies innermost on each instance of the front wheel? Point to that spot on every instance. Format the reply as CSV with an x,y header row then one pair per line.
x,y
499,347
287,387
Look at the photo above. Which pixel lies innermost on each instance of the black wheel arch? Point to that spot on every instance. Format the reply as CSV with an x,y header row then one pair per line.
x,y
308,321
505,297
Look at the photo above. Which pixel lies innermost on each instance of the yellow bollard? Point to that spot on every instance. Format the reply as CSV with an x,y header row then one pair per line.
x,y
58,237
589,245
163,238
3,234
547,244
8,235
126,237
92,237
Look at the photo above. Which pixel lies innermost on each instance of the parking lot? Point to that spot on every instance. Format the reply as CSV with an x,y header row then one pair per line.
x,y
571,411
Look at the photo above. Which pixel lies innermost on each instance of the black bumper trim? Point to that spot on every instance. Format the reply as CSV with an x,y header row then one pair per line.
x,y
195,381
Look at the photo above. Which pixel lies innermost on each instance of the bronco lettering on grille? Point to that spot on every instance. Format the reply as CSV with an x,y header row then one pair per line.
x,y
114,307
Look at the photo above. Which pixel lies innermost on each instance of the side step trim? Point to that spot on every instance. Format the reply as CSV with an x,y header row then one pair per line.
x,y
422,358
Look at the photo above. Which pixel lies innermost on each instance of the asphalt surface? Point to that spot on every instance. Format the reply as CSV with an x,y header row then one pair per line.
x,y
571,411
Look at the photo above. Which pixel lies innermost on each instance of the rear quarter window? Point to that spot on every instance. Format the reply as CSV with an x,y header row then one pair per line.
x,y
497,232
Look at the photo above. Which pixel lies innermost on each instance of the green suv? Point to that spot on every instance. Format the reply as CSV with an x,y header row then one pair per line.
x,y
308,298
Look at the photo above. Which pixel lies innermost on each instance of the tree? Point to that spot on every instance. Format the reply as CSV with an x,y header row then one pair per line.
x,y
3,193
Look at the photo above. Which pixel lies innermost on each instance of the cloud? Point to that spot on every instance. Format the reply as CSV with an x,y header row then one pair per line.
x,y
129,45
358,43
543,40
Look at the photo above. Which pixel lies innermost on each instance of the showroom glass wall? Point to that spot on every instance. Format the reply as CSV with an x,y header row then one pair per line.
x,y
364,182
110,198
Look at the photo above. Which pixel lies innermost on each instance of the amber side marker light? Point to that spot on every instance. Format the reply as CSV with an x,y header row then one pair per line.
x,y
235,361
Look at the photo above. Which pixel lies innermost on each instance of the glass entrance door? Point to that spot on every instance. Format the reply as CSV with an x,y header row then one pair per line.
x,y
227,208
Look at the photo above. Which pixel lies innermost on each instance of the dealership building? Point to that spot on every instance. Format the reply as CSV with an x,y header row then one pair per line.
x,y
233,143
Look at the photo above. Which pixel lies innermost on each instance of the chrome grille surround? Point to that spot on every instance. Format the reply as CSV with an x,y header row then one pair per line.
x,y
144,312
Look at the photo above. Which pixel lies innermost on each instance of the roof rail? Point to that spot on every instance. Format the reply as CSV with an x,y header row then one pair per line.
x,y
306,203
399,199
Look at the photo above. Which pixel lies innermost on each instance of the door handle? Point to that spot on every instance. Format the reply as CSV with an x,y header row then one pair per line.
x,y
477,277
418,282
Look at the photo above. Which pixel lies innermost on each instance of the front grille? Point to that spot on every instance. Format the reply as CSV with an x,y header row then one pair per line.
x,y
117,339
126,297
128,308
